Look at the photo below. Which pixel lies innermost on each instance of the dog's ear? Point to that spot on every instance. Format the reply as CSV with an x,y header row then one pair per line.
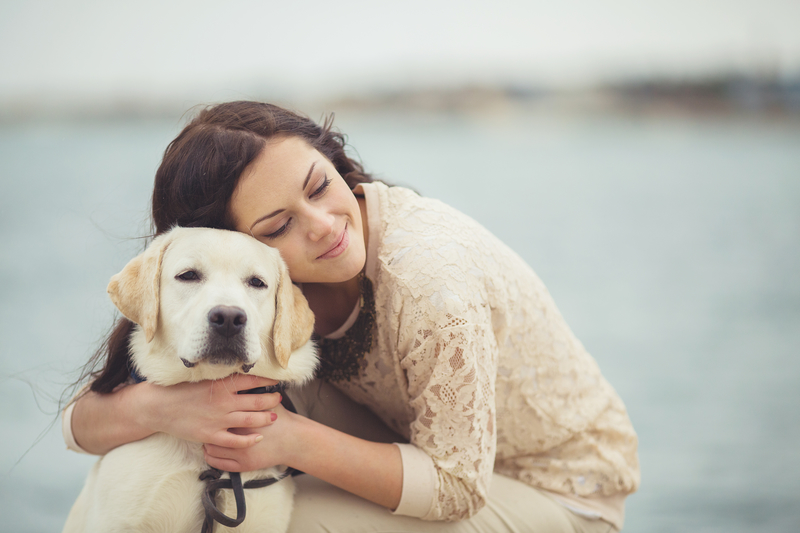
x,y
294,321
135,290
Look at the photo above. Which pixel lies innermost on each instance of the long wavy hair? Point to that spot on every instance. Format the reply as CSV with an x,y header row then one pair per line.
x,y
194,184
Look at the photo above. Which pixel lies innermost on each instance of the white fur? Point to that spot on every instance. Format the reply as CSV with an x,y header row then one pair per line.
x,y
152,485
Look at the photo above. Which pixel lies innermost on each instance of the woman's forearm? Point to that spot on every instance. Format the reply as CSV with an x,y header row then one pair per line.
x,y
101,422
372,470
198,412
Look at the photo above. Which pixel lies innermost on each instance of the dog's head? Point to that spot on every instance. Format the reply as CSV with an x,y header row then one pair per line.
x,y
210,303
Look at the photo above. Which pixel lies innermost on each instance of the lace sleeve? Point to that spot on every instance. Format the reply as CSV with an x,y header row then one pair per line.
x,y
451,372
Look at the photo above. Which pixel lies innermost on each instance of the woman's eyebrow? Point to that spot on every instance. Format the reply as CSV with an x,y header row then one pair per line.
x,y
265,217
308,176
279,211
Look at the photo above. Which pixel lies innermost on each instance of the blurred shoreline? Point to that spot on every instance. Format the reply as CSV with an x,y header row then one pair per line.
x,y
764,97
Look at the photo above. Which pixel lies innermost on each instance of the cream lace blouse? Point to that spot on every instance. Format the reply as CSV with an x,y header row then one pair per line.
x,y
475,366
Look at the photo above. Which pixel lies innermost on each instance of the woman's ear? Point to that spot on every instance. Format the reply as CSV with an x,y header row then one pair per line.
x,y
135,290
294,320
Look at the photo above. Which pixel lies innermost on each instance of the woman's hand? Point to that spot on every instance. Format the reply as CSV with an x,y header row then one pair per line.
x,y
269,449
199,412
203,411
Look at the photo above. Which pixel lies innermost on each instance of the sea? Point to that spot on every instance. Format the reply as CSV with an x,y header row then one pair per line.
x,y
670,241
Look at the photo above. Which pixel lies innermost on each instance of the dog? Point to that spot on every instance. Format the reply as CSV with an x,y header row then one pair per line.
x,y
206,303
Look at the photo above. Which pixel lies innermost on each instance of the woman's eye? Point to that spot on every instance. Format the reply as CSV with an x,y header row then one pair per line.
x,y
322,188
256,282
189,275
283,229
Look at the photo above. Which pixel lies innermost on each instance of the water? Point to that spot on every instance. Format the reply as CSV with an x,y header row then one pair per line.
x,y
671,245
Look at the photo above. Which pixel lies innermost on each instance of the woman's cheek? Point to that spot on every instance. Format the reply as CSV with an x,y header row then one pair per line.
x,y
295,261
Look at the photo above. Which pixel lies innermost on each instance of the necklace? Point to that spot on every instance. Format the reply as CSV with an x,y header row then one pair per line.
x,y
343,358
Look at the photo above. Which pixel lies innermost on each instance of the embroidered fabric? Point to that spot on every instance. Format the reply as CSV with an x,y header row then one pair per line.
x,y
341,358
473,363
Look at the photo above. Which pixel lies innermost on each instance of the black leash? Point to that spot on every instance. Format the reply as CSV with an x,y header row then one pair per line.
x,y
215,483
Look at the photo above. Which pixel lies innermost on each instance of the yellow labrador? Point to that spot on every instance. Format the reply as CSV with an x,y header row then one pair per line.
x,y
208,303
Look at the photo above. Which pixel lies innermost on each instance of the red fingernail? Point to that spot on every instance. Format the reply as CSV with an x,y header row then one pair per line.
x,y
273,416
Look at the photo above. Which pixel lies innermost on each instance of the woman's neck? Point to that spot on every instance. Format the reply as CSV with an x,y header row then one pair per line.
x,y
331,303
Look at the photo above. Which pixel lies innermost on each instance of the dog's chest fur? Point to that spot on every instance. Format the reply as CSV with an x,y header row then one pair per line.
x,y
162,491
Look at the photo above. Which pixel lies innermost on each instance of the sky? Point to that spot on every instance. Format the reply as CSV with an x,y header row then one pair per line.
x,y
151,49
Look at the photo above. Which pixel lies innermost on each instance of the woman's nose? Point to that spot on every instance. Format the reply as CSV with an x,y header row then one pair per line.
x,y
320,225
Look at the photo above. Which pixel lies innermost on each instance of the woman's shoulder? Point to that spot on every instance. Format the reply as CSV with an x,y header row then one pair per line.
x,y
430,251
399,203
406,218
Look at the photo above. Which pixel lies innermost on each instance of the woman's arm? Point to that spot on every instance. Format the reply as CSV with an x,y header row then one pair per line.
x,y
199,412
451,371
101,422
371,470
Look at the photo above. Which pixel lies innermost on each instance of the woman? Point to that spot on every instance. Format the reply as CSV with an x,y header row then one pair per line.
x,y
425,318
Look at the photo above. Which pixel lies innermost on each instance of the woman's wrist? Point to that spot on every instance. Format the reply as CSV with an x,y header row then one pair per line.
x,y
302,439
101,422
145,414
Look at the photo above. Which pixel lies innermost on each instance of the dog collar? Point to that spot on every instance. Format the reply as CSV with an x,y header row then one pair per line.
x,y
136,377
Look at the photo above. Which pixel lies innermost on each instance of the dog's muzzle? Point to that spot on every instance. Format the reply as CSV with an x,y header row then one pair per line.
x,y
225,342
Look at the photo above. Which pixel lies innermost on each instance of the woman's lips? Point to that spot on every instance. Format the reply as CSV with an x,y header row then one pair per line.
x,y
339,247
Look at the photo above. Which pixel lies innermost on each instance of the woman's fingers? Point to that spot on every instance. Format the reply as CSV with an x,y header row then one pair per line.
x,y
227,465
224,442
229,459
205,410
250,419
242,382
239,435
241,449
256,402
221,457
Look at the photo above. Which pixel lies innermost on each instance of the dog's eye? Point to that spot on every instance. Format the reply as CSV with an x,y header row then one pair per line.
x,y
256,282
189,275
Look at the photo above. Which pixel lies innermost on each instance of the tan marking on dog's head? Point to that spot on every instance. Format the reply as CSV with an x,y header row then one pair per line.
x,y
294,320
135,290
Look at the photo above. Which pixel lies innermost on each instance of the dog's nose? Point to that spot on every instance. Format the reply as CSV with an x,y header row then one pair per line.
x,y
227,320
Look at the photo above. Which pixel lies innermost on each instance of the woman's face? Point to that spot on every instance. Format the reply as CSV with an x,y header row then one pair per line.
x,y
293,199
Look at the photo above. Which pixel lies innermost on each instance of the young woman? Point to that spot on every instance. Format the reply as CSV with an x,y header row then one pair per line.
x,y
489,409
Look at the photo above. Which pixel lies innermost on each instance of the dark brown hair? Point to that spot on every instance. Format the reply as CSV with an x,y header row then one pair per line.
x,y
202,165
196,180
